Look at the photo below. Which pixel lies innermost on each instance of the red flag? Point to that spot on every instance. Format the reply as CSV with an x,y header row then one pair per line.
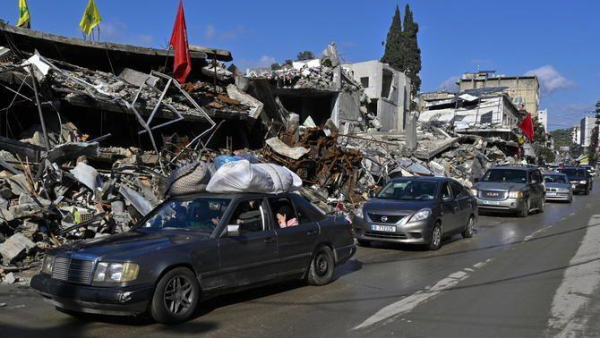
x,y
179,41
527,127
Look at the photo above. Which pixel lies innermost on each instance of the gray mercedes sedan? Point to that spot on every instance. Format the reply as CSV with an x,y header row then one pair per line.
x,y
417,210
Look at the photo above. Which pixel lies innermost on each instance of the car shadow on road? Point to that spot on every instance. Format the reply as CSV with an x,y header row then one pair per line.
x,y
83,326
490,247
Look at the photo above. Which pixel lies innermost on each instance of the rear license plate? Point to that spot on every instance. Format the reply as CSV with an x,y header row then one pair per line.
x,y
384,228
491,202
551,194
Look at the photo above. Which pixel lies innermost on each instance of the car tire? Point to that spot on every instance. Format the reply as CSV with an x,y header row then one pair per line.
x,y
320,271
587,191
524,212
469,229
175,297
436,237
542,204
362,242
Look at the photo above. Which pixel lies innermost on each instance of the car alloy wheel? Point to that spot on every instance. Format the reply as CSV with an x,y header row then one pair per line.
x,y
437,236
321,264
470,229
179,294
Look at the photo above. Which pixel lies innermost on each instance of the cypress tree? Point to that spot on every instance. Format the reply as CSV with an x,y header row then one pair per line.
x,y
393,45
410,50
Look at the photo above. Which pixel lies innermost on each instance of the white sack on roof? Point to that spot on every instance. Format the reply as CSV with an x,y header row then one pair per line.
x,y
242,176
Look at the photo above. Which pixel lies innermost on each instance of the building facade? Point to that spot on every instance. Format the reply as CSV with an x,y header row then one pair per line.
x,y
586,126
543,118
524,90
576,134
388,90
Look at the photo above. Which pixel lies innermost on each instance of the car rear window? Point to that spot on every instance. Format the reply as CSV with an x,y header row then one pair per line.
x,y
574,172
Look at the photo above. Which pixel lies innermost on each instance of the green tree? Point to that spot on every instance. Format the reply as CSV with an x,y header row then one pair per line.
x,y
411,53
562,137
288,62
539,133
306,55
275,66
592,153
393,45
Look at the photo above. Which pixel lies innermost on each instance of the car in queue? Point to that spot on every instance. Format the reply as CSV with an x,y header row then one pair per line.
x,y
512,188
580,179
590,169
417,210
558,188
195,247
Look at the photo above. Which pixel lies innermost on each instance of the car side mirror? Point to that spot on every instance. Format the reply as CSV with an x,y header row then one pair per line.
x,y
447,198
476,180
371,194
233,230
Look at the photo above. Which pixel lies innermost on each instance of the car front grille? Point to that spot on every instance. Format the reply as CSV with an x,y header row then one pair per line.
x,y
493,195
384,235
391,219
73,270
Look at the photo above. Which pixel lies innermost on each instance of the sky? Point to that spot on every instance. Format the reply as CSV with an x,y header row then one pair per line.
x,y
555,40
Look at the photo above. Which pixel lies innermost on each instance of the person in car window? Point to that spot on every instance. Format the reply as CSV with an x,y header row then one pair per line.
x,y
283,214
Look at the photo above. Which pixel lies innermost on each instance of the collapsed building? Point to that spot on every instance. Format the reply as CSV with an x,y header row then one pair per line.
x,y
91,132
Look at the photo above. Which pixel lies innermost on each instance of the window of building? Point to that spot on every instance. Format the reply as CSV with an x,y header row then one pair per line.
x,y
364,81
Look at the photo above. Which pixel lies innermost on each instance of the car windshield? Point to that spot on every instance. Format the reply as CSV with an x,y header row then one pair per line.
x,y
409,191
505,175
574,172
201,214
555,179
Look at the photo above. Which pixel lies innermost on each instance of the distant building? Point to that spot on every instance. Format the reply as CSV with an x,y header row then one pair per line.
x,y
543,118
388,89
587,124
576,134
524,90
487,115
425,100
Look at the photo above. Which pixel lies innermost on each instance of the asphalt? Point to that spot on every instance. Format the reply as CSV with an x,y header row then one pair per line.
x,y
515,278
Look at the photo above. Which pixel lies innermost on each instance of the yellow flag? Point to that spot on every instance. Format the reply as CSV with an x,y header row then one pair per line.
x,y
24,18
91,18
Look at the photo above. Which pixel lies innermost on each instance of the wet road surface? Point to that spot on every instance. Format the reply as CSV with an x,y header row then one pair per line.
x,y
517,277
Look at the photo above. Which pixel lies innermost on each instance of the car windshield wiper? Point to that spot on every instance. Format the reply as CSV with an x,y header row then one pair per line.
x,y
174,228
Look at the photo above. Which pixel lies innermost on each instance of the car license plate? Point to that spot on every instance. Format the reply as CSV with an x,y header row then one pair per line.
x,y
384,228
491,202
551,194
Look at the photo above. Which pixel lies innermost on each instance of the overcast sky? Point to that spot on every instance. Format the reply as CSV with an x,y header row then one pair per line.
x,y
556,40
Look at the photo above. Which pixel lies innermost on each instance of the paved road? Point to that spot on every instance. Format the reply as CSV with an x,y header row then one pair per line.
x,y
516,278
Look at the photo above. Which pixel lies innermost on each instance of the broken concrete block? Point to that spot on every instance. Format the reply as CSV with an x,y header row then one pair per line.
x,y
9,278
19,184
15,246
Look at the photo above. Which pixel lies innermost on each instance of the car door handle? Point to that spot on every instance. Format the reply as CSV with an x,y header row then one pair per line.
x,y
312,233
270,240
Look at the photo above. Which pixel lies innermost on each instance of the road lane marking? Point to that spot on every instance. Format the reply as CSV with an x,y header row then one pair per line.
x,y
407,304
580,281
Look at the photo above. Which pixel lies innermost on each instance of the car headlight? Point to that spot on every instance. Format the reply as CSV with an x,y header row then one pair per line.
x,y
48,264
421,215
116,272
582,182
515,194
473,191
359,212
